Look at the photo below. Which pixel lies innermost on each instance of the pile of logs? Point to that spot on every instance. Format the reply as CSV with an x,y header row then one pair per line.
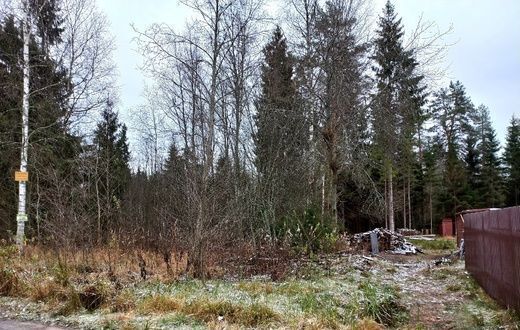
x,y
408,232
387,240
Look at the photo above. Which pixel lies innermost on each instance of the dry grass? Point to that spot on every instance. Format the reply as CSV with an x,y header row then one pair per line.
x,y
160,304
256,288
123,301
116,262
10,283
210,310
252,315
367,324
45,290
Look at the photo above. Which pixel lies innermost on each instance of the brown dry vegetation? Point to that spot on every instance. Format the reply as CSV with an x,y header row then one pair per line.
x,y
269,289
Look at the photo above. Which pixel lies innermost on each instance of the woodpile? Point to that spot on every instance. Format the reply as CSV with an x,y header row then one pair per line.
x,y
387,240
408,232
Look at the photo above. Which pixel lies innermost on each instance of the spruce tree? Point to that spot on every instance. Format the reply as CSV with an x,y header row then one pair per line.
x,y
397,104
450,112
112,167
491,190
52,148
281,136
341,119
512,162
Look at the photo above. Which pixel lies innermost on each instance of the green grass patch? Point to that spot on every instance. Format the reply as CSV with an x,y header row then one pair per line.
x,y
208,310
439,243
249,315
256,288
381,303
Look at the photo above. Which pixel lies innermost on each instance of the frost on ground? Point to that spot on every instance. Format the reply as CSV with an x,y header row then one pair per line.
x,y
341,290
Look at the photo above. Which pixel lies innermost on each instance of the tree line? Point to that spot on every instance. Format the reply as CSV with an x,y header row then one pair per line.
x,y
293,135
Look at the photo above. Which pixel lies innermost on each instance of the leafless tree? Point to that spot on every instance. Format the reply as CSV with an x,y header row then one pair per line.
x,y
86,55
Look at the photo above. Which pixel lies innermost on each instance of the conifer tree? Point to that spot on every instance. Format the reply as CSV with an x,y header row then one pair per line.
x,y
398,101
52,148
112,158
512,162
340,118
281,137
491,189
451,108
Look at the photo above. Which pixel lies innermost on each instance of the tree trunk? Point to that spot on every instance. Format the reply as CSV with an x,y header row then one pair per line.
x,y
431,210
386,204
409,204
21,217
405,218
391,222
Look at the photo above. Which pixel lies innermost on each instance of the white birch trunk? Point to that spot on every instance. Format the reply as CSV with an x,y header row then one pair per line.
x,y
391,222
21,217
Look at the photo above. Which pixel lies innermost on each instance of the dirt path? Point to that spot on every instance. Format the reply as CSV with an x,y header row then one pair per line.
x,y
427,290
17,325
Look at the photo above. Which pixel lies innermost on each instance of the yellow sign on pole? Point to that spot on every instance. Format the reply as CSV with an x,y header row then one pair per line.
x,y
21,176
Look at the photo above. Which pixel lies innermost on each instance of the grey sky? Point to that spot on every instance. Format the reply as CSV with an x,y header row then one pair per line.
x,y
485,57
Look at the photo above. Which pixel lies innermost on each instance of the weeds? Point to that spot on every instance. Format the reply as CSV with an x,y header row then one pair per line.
x,y
380,303
124,301
252,315
161,304
70,302
439,243
10,283
315,299
256,288
210,310
454,287
94,295
45,290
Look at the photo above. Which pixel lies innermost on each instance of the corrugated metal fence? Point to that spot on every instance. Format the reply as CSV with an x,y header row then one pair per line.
x,y
492,244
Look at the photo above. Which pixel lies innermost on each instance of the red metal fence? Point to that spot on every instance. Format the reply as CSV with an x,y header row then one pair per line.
x,y
492,245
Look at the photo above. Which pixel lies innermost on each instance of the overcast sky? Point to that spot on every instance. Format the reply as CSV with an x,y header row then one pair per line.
x,y
485,56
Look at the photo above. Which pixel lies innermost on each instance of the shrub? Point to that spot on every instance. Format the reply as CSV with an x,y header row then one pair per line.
x,y
45,290
93,296
70,302
10,282
309,231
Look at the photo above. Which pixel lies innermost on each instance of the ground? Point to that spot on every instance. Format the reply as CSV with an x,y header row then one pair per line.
x,y
346,289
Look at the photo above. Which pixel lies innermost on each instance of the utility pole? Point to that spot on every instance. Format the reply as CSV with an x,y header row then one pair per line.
x,y
22,176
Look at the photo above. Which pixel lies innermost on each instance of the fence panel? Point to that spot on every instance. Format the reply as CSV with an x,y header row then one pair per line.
x,y
492,244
